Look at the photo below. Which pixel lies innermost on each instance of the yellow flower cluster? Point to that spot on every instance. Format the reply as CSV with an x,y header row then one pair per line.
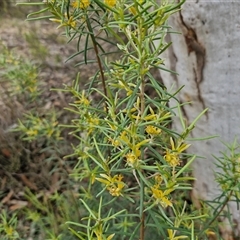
x,y
133,156
115,142
83,99
72,23
93,122
151,130
160,196
110,3
172,156
114,184
132,160
83,4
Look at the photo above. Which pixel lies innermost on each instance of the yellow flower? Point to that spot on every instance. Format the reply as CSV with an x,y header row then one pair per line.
x,y
115,190
83,99
71,22
114,184
132,160
75,4
133,156
158,179
110,3
172,159
115,143
172,156
161,196
81,4
152,116
93,122
9,231
136,151
32,132
126,86
151,130
124,138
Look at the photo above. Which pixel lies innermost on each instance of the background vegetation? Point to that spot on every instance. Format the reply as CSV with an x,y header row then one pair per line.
x,y
36,190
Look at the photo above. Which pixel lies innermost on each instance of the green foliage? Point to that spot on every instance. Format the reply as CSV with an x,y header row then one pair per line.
x,y
229,177
129,159
49,213
36,127
20,75
8,226
126,150
49,208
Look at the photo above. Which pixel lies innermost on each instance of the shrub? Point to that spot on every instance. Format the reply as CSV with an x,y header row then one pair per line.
x,y
130,161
